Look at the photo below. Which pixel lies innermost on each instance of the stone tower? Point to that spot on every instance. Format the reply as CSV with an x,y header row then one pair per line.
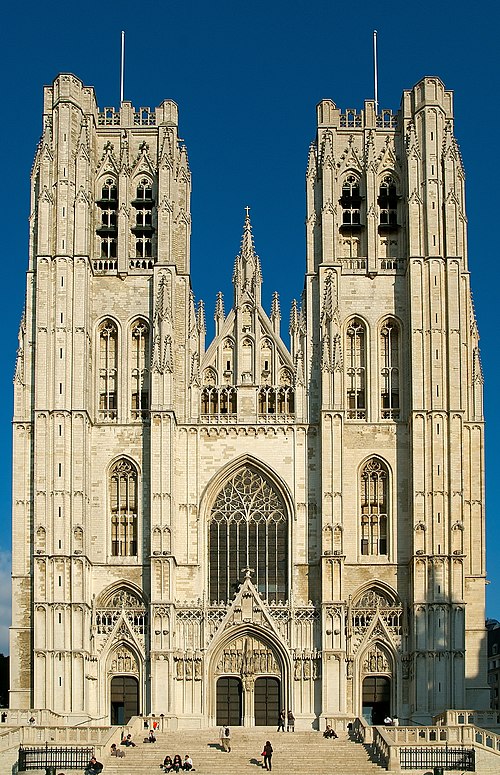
x,y
214,533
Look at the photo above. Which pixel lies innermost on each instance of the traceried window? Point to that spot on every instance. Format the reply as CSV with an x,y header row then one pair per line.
x,y
108,370
248,529
276,401
218,403
356,370
140,370
123,503
107,228
142,228
388,204
351,203
374,508
389,370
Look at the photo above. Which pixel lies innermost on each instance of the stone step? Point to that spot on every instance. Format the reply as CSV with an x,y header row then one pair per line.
x,y
292,751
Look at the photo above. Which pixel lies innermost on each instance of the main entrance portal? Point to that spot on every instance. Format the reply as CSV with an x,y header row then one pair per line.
x,y
229,701
266,701
124,699
376,698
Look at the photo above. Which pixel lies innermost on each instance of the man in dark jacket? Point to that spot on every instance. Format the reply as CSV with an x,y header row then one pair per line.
x,y
93,767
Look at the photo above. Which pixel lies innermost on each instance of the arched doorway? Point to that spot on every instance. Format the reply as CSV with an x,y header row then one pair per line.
x,y
124,699
266,701
376,698
229,704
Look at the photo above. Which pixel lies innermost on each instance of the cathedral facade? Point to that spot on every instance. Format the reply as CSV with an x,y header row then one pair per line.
x,y
215,531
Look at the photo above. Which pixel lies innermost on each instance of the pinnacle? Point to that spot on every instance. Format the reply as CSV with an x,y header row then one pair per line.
x,y
247,248
219,306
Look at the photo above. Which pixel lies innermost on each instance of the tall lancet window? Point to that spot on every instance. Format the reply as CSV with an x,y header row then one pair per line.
x,y
123,503
356,370
374,508
389,370
108,370
140,370
107,228
248,529
142,228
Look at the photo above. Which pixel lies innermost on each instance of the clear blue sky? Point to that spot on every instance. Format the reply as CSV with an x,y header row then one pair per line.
x,y
247,77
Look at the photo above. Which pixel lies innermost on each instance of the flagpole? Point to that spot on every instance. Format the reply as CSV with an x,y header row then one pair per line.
x,y
122,66
375,72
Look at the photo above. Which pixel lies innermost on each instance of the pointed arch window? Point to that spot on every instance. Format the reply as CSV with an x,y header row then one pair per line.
x,y
374,508
350,202
107,228
248,529
140,370
356,370
123,503
142,228
108,370
388,204
389,370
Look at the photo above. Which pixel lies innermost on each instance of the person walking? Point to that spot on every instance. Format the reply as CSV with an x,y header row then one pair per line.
x,y
267,753
290,722
281,721
227,739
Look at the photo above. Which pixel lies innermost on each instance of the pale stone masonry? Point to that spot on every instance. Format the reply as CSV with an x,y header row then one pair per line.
x,y
217,533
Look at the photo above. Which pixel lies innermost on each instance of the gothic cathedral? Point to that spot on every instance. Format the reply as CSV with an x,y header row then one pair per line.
x,y
215,531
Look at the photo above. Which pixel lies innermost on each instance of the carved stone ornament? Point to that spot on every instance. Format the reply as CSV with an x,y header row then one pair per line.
x,y
248,656
188,666
124,662
376,661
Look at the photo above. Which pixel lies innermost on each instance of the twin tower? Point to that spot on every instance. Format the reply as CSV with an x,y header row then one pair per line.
x,y
214,531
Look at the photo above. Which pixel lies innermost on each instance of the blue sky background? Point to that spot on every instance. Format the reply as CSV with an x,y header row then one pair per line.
x,y
247,77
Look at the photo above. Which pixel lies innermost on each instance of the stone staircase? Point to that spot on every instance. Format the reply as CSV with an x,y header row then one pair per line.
x,y
293,752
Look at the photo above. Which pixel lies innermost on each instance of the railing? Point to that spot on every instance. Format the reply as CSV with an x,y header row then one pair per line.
x,y
105,265
353,264
449,747
438,756
141,263
72,758
392,264
215,419
273,418
480,718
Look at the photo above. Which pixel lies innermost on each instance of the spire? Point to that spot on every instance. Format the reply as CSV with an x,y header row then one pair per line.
x,y
247,276
201,317
219,313
202,328
276,313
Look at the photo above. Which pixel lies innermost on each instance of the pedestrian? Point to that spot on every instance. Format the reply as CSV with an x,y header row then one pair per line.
x,y
290,722
281,721
227,739
267,753
222,737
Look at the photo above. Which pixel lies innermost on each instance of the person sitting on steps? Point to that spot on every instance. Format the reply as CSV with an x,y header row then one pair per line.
x,y
330,733
167,764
